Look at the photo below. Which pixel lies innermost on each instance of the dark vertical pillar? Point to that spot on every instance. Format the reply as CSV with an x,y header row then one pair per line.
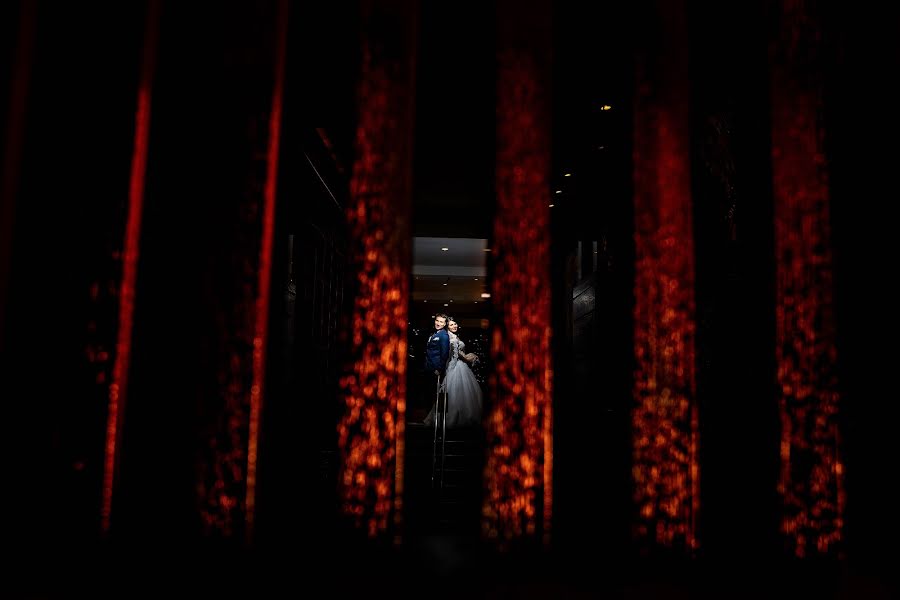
x,y
861,103
592,221
16,113
199,342
62,316
735,285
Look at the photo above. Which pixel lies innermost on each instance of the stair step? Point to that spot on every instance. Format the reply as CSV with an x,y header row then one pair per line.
x,y
456,506
422,432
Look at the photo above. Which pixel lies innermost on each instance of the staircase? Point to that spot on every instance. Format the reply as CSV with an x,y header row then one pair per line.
x,y
454,505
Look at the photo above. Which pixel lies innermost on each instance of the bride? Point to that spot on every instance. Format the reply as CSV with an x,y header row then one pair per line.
x,y
463,390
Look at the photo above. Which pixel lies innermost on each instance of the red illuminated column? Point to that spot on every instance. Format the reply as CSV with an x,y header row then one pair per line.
x,y
664,417
261,332
118,386
373,388
811,482
519,428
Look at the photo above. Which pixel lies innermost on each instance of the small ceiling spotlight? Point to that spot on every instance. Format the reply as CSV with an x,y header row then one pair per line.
x,y
551,205
445,248
567,174
485,295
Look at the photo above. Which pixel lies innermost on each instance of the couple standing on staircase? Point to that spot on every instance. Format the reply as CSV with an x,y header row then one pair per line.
x,y
447,361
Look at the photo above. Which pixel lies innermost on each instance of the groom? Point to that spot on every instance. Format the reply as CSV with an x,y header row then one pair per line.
x,y
437,351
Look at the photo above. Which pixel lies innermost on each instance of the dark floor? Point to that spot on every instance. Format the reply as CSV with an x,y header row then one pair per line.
x,y
441,556
442,566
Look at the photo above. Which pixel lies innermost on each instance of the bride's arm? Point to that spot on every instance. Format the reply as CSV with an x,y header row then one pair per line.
x,y
471,358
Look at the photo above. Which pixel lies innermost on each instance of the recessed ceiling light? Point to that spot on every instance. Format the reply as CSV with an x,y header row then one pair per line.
x,y
445,248
485,295
476,279
551,205
559,191
445,284
445,304
567,175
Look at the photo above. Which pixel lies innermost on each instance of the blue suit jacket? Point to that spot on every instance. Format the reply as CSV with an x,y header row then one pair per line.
x,y
437,351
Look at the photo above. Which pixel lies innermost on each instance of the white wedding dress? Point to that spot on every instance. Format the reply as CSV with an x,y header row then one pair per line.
x,y
463,390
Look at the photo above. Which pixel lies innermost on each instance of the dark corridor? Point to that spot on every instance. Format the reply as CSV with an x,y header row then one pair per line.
x,y
667,229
